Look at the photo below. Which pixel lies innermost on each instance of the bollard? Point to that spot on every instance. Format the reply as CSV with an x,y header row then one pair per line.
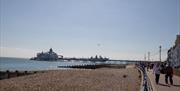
x,y
7,72
17,73
25,72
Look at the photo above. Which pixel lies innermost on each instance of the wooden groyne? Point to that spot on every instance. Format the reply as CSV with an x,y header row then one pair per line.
x,y
95,66
10,74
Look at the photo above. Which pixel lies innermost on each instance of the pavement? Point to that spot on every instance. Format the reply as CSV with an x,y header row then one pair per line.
x,y
162,86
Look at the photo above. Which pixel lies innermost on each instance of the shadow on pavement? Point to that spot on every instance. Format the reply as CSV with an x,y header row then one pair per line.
x,y
176,85
163,84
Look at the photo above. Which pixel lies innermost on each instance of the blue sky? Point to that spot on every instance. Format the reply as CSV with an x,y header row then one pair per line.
x,y
119,29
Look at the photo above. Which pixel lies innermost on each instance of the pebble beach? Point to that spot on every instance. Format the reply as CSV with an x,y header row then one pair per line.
x,y
103,79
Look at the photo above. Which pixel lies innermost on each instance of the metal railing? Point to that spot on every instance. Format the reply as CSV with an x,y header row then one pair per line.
x,y
146,83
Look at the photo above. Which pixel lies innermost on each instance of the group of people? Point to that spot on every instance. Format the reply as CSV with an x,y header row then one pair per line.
x,y
164,69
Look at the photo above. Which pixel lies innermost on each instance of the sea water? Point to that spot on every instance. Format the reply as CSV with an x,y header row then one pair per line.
x,y
22,64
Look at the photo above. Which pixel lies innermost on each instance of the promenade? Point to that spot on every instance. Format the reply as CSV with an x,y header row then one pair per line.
x,y
162,86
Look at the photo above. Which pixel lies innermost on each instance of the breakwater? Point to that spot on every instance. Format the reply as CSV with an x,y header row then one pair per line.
x,y
10,74
95,66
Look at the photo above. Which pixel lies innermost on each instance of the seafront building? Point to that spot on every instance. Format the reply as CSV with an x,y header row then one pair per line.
x,y
50,55
174,54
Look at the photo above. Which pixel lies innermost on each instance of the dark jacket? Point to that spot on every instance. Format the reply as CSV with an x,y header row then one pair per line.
x,y
169,70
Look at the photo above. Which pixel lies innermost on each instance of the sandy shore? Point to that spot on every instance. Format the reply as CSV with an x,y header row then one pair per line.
x,y
104,79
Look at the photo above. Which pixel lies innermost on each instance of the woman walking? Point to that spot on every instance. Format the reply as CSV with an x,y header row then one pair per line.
x,y
156,71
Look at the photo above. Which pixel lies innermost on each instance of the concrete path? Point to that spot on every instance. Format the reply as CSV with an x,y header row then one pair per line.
x,y
162,86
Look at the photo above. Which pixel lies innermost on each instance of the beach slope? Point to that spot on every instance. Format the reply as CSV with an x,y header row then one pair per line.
x,y
104,79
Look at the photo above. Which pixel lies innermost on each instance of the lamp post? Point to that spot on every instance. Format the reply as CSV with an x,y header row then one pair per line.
x,y
148,56
160,53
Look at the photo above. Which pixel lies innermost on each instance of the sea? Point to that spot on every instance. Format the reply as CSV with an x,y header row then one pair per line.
x,y
24,64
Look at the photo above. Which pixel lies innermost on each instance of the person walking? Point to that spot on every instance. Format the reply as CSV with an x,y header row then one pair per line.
x,y
169,74
156,71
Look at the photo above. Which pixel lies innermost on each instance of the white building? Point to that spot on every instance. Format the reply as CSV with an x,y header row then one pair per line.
x,y
174,54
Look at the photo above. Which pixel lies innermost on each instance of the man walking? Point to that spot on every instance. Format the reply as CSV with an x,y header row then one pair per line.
x,y
169,74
